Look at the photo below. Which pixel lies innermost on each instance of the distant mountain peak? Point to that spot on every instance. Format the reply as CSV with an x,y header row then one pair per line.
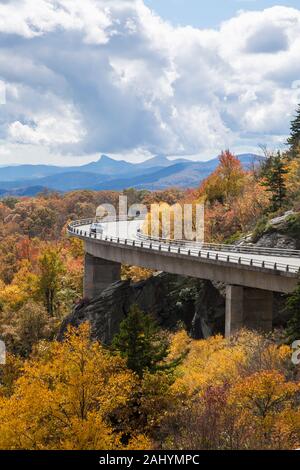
x,y
161,157
156,161
105,158
107,162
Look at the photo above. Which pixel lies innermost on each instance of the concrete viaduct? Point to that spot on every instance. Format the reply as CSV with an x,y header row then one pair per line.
x,y
251,274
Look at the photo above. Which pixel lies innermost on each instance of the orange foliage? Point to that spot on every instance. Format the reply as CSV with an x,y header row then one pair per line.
x,y
226,181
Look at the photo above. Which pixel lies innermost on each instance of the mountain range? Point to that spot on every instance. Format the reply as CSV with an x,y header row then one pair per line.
x,y
108,174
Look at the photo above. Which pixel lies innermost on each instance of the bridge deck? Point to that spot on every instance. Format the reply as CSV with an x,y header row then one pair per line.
x,y
128,230
121,242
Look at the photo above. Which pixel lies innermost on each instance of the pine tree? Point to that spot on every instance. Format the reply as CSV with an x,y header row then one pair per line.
x,y
273,173
293,307
140,343
294,139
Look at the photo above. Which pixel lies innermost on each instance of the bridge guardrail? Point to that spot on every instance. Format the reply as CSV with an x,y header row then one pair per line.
x,y
203,252
284,252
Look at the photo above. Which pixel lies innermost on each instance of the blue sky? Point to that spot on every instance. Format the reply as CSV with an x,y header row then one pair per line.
x,y
209,13
88,77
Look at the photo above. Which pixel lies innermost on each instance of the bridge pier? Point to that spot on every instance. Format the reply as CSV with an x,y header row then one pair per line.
x,y
99,274
247,307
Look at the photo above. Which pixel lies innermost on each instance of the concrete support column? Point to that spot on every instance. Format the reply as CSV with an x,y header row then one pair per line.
x,y
99,274
234,310
247,307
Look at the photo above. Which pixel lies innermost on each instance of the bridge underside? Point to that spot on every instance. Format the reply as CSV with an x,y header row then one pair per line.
x,y
230,274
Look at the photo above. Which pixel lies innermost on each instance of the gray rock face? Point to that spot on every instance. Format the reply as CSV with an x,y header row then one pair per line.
x,y
170,299
277,221
277,240
282,232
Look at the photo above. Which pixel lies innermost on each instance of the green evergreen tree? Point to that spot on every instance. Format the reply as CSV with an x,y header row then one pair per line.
x,y
293,307
140,342
294,139
273,173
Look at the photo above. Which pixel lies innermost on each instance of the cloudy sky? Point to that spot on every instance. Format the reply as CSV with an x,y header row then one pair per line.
x,y
133,78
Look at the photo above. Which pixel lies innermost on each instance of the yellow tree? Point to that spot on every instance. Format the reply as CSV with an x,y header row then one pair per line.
x,y
22,288
135,273
235,394
264,402
292,177
66,396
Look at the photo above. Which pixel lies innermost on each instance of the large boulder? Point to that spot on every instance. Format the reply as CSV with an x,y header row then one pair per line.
x,y
274,239
170,299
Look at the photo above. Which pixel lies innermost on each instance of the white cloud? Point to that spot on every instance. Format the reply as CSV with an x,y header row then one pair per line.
x,y
48,130
110,76
31,18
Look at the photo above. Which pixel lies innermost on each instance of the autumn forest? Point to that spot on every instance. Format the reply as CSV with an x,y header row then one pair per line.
x,y
150,388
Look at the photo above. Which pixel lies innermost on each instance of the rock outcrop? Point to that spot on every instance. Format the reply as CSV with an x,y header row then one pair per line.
x,y
170,299
281,232
274,239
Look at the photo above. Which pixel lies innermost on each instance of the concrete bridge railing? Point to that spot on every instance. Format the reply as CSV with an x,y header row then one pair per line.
x,y
249,248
